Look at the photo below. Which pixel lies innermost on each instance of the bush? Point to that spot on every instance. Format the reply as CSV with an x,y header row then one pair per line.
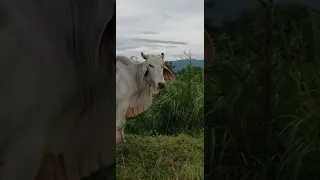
x,y
262,96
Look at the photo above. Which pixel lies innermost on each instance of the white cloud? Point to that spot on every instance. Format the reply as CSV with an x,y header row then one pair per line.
x,y
155,26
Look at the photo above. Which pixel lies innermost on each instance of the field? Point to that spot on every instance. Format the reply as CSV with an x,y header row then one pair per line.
x,y
161,157
167,141
262,96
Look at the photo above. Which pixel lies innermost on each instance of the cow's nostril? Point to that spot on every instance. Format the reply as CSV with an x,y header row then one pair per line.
x,y
161,85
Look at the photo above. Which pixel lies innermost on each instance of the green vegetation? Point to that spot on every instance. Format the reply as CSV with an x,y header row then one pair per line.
x,y
165,142
177,109
161,157
262,96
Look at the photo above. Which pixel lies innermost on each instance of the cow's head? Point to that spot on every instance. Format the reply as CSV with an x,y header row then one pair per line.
x,y
156,71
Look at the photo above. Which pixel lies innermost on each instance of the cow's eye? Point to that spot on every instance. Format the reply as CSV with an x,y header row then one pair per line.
x,y
151,65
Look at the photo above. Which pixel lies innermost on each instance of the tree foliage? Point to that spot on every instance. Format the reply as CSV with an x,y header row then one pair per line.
x,y
262,96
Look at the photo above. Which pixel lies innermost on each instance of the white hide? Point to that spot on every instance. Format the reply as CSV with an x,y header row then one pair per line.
x,y
131,91
136,82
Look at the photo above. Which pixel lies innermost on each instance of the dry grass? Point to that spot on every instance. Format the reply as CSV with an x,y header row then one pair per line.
x,y
161,158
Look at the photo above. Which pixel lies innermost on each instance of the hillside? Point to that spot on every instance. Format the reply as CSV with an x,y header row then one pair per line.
x,y
179,64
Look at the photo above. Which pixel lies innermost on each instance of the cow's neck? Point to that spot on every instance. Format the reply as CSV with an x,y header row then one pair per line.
x,y
138,73
143,92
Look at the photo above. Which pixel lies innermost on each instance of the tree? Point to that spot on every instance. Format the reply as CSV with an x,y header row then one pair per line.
x,y
169,65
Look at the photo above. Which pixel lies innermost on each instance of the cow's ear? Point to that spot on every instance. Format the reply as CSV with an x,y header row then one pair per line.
x,y
208,47
168,74
162,55
144,71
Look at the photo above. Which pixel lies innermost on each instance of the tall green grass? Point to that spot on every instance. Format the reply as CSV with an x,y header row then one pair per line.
x,y
262,96
177,109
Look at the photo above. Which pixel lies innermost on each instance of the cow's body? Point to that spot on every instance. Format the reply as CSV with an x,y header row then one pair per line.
x,y
127,93
125,82
136,83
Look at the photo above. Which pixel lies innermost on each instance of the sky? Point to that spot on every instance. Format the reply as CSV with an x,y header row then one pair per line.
x,y
155,26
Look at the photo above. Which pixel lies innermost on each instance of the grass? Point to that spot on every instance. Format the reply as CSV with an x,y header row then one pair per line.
x,y
166,142
262,96
161,158
177,109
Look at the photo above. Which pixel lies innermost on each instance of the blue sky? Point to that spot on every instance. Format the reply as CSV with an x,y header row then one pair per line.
x,y
155,26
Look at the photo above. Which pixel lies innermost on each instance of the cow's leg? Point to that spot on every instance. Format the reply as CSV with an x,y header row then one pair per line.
x,y
118,136
121,131
122,109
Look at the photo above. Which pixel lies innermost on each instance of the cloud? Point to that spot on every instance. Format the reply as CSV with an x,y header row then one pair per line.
x,y
158,41
149,32
154,26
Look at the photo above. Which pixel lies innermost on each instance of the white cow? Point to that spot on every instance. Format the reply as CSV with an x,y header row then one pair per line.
x,y
136,83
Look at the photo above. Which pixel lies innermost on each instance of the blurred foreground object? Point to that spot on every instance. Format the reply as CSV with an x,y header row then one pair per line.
x,y
208,47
